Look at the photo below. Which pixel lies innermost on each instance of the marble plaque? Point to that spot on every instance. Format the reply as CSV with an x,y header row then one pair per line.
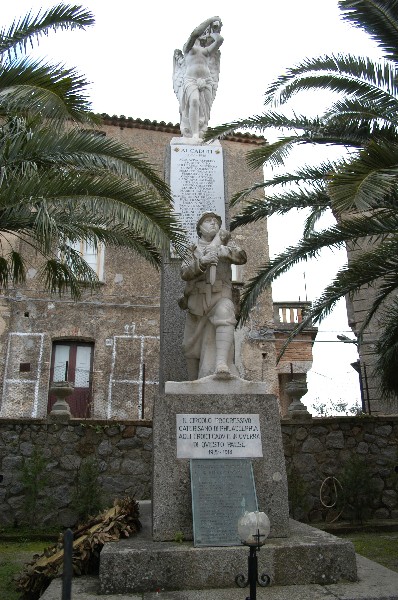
x,y
197,183
222,490
218,436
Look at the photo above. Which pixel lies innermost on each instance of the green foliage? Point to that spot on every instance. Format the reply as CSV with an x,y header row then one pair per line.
x,y
12,556
380,547
87,497
179,537
358,489
99,428
35,478
298,494
361,189
59,183
378,19
323,409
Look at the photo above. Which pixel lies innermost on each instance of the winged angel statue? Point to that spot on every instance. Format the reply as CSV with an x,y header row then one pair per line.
x,y
195,77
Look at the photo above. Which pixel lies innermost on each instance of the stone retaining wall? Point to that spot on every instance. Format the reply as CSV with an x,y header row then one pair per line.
x,y
321,449
123,451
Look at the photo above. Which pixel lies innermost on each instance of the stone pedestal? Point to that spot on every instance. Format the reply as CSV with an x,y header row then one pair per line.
x,y
61,410
152,560
139,564
296,389
172,509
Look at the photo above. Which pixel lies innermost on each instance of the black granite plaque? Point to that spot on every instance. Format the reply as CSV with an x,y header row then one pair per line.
x,y
222,490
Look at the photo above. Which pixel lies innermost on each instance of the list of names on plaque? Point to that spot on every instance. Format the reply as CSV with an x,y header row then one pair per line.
x,y
222,490
218,436
197,183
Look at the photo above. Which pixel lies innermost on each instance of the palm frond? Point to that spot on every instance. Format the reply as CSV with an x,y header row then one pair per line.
x,y
41,147
378,18
365,270
114,235
369,181
345,84
246,193
29,28
281,204
260,123
315,215
275,153
376,118
115,199
359,76
12,268
349,230
60,277
221,131
307,175
52,91
349,280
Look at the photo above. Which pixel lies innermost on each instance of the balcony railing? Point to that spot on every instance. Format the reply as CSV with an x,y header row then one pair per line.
x,y
290,313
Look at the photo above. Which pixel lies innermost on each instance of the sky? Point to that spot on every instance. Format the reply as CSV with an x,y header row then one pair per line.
x,y
128,58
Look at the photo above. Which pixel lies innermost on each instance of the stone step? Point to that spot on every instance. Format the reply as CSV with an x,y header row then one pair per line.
x,y
375,583
307,556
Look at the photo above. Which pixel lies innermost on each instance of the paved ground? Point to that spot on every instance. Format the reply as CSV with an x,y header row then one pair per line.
x,y
375,583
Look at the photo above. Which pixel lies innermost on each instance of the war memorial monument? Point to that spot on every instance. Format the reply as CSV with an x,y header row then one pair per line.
x,y
217,438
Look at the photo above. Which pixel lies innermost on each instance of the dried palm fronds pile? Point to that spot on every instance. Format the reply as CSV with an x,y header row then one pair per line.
x,y
120,521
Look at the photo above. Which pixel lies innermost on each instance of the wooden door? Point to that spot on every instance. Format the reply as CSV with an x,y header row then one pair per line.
x,y
72,361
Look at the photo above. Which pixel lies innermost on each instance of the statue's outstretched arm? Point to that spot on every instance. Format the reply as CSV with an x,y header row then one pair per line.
x,y
218,40
198,32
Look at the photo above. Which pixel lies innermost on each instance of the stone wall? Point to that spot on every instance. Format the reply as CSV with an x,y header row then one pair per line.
x,y
123,451
321,448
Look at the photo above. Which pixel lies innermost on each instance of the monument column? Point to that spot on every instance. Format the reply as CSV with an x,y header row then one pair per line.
x,y
195,173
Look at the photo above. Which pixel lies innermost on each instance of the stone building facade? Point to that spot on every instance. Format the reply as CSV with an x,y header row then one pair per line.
x,y
357,309
107,343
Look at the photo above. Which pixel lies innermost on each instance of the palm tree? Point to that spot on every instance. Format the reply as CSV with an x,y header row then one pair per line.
x,y
361,189
61,182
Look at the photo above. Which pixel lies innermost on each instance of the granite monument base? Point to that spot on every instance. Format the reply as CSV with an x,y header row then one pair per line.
x,y
308,556
172,505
